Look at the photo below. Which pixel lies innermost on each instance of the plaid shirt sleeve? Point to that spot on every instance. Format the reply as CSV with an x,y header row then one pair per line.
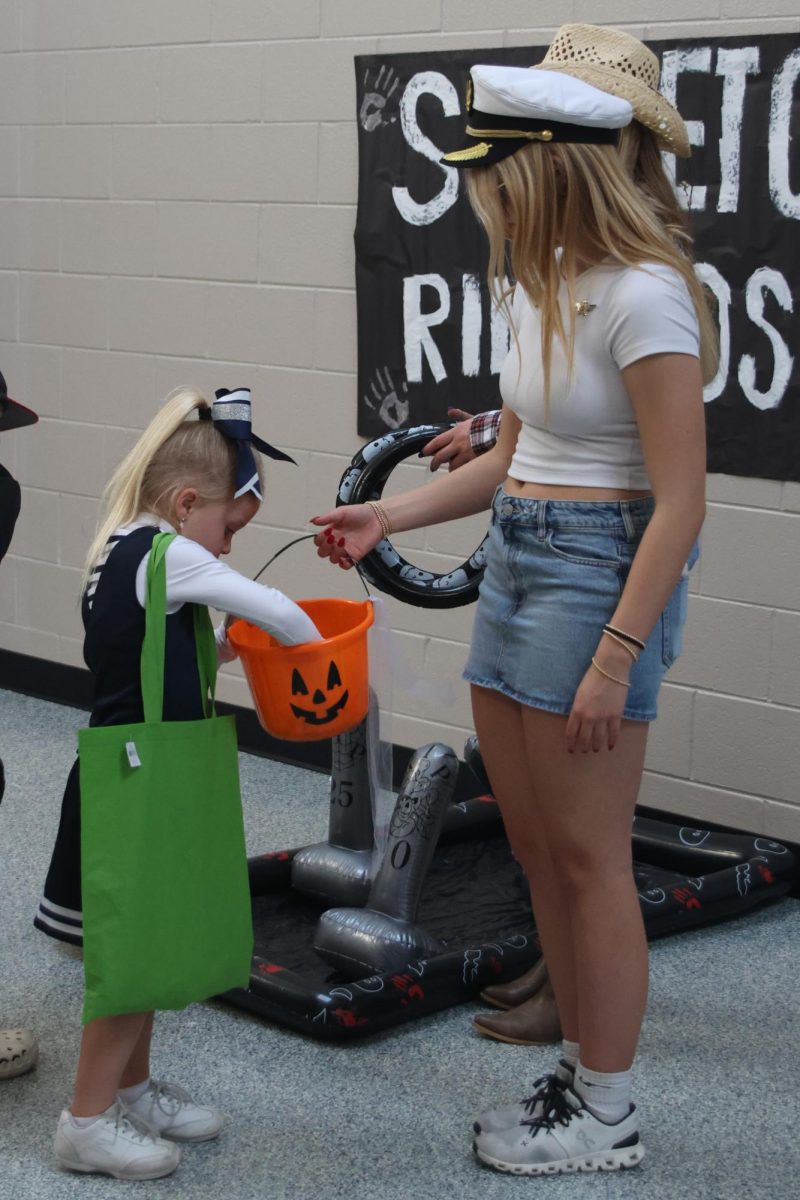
x,y
483,431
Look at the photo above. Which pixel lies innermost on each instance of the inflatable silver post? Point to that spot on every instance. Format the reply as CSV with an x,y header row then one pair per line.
x,y
338,871
474,760
382,936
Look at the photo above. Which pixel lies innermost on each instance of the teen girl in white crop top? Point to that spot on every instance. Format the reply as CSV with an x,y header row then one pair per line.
x,y
598,487
587,434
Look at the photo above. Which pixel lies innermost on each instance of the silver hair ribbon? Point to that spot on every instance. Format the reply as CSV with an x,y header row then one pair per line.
x,y
231,414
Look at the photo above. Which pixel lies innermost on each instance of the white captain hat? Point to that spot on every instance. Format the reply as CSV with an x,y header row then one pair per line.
x,y
510,107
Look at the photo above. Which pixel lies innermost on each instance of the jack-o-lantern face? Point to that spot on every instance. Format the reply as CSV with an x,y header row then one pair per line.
x,y
323,711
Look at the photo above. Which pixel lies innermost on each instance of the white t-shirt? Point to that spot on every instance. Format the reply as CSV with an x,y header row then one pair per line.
x,y
195,576
587,434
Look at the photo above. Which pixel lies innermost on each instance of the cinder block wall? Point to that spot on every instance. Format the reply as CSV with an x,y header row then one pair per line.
x,y
177,201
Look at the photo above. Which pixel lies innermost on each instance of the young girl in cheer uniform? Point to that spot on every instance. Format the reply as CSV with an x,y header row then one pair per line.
x,y
598,486
201,479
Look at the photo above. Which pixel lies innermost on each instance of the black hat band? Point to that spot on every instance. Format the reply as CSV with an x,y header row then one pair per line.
x,y
515,132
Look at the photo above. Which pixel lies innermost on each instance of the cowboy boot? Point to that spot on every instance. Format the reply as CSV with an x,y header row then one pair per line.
x,y
533,1023
509,995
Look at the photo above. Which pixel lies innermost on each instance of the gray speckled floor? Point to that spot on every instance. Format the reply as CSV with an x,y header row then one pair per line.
x,y
389,1118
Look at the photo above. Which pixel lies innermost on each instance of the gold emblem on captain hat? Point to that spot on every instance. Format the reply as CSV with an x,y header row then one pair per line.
x,y
480,150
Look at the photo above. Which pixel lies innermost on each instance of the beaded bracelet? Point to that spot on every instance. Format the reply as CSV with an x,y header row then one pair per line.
x,y
382,515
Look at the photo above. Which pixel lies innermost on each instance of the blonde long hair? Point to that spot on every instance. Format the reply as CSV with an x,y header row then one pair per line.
x,y
617,198
172,453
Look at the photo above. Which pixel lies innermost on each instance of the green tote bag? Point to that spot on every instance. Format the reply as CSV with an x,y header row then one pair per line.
x,y
166,902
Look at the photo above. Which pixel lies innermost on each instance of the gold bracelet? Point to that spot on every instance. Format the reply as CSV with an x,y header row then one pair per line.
x,y
382,515
619,641
613,678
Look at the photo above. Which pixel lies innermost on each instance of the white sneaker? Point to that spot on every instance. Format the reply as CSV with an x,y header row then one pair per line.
x,y
118,1143
19,1051
507,1115
566,1140
172,1113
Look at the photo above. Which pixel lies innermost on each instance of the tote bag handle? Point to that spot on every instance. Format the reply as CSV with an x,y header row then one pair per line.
x,y
154,644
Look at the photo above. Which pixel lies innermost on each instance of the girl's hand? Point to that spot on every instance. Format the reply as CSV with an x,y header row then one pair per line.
x,y
350,532
453,446
596,715
225,651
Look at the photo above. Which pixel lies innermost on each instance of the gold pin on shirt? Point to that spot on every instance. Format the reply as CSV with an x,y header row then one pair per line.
x,y
584,307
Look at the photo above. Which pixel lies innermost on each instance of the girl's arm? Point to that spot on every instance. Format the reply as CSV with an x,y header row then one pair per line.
x,y
354,529
667,397
666,393
195,576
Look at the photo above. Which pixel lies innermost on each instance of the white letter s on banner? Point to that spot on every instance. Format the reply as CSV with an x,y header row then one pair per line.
x,y
436,84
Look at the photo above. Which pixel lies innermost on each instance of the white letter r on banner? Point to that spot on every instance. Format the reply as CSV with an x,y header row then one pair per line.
x,y
416,326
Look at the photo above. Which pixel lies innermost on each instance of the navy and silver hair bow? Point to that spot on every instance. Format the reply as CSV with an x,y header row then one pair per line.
x,y
230,413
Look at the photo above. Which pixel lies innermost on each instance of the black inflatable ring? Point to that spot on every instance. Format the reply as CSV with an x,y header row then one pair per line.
x,y
383,567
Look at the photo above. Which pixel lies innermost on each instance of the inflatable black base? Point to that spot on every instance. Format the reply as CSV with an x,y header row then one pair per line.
x,y
475,902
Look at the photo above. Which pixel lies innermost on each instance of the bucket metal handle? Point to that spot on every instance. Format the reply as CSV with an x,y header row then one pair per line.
x,y
295,542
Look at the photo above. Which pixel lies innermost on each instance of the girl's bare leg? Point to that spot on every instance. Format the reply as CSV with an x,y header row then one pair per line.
x,y
138,1065
586,804
500,729
108,1045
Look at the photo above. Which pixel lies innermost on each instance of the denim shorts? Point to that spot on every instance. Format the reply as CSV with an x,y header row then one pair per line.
x,y
554,574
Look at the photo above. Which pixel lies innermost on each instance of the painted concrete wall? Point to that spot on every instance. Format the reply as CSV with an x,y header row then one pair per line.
x,y
177,202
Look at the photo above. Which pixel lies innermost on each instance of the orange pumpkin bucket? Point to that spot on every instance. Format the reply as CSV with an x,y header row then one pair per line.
x,y
316,690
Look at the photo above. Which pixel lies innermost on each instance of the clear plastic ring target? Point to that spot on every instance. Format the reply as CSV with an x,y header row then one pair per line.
x,y
384,567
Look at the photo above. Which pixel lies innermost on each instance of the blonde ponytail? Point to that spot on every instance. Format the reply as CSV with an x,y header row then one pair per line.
x,y
173,452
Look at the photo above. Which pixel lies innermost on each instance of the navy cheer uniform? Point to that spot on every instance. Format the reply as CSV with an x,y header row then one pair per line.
x,y
113,621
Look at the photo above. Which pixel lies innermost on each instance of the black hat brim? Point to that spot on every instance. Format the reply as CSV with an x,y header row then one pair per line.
x,y
14,415
492,137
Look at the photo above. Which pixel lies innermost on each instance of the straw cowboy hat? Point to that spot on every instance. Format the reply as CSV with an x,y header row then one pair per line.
x,y
619,64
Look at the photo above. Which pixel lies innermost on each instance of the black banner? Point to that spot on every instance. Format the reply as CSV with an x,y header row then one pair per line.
x,y
426,335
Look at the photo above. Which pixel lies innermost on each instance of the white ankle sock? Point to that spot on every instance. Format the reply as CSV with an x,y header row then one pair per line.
x,y
83,1122
570,1052
131,1094
607,1094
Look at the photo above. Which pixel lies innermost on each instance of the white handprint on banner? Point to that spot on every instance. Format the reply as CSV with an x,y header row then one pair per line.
x,y
391,405
375,107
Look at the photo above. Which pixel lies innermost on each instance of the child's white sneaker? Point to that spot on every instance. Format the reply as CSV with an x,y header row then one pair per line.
x,y
172,1113
118,1143
19,1051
